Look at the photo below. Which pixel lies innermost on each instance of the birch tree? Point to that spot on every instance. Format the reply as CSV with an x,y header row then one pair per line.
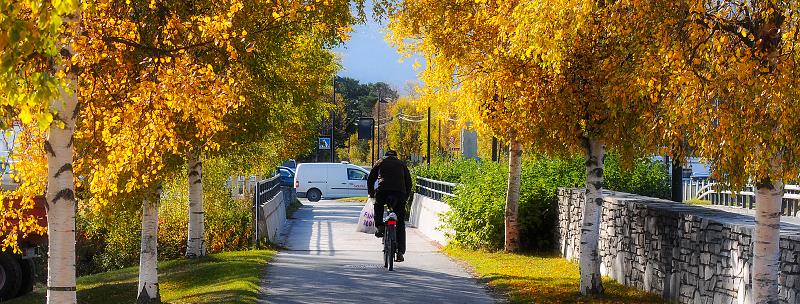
x,y
458,39
37,85
727,73
288,66
195,245
148,255
563,73
141,89
512,196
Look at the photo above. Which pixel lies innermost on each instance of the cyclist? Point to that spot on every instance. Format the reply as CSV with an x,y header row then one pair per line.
x,y
394,187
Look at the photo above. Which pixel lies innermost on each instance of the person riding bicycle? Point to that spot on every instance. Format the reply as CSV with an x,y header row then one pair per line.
x,y
394,187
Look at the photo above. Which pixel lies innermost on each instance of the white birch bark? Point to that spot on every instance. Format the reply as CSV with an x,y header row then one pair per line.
x,y
195,243
512,196
766,242
60,193
592,210
147,291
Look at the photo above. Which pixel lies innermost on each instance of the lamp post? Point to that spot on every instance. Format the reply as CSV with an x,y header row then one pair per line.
x,y
333,124
429,137
378,125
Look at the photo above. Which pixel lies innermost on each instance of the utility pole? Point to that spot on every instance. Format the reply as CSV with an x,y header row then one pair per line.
x,y
372,152
378,124
440,135
429,136
494,149
333,124
677,180
400,131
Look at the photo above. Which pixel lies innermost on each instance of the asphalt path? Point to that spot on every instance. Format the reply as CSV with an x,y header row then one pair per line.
x,y
327,261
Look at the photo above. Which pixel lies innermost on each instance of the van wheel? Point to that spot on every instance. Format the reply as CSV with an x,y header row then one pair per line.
x,y
314,195
10,276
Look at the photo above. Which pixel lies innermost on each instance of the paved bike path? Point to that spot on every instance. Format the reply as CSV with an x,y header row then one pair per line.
x,y
327,261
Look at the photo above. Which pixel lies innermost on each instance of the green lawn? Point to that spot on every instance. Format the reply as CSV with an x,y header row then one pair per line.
x,y
529,278
359,199
230,277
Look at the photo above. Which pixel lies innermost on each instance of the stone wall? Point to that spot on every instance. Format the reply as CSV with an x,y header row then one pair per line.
x,y
687,253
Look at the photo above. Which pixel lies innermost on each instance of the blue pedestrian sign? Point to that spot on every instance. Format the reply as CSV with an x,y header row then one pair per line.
x,y
324,143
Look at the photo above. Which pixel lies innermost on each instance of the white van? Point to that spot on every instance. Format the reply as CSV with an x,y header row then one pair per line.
x,y
330,180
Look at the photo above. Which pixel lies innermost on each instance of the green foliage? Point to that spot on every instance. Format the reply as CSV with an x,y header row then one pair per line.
x,y
477,214
111,241
446,169
357,151
645,177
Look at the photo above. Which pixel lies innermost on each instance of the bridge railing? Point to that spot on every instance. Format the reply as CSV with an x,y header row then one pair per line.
x,y
269,209
435,189
723,196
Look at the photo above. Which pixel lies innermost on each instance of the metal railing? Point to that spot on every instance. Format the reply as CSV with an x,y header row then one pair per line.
x,y
434,189
721,196
265,191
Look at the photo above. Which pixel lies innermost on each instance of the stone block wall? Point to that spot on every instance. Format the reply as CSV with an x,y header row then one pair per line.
x,y
686,253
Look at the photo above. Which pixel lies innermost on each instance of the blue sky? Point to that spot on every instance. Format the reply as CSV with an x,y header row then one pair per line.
x,y
367,57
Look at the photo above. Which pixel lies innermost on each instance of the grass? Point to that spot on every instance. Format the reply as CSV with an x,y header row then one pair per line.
x,y
230,277
532,278
358,199
695,201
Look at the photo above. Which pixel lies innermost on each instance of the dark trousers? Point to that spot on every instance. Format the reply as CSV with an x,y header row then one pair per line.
x,y
397,201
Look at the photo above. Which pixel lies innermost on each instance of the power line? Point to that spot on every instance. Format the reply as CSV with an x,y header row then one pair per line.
x,y
412,120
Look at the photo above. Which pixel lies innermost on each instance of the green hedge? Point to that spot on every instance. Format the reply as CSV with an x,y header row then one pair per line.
x,y
477,214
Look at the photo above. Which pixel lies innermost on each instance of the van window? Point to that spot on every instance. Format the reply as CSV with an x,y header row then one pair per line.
x,y
355,174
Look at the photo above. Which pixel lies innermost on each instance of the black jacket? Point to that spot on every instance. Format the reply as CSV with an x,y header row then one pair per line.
x,y
392,174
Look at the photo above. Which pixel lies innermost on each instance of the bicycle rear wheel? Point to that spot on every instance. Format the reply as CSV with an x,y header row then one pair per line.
x,y
386,251
392,240
392,249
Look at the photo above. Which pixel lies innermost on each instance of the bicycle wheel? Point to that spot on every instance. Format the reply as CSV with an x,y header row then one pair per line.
x,y
385,251
392,240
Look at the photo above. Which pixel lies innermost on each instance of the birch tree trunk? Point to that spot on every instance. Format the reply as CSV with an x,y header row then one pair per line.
x,y
592,210
195,242
766,243
147,291
512,196
60,193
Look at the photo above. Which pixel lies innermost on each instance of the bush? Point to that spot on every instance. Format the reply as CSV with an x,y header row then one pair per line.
x,y
447,169
109,239
477,214
645,177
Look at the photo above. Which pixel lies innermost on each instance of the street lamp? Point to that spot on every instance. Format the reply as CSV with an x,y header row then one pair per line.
x,y
378,123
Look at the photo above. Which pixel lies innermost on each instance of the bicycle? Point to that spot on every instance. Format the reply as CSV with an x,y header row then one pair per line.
x,y
390,240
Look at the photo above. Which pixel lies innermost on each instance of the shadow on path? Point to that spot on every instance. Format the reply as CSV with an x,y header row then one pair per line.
x,y
326,261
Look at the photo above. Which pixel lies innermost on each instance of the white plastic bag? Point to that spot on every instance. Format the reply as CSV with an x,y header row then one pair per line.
x,y
366,221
